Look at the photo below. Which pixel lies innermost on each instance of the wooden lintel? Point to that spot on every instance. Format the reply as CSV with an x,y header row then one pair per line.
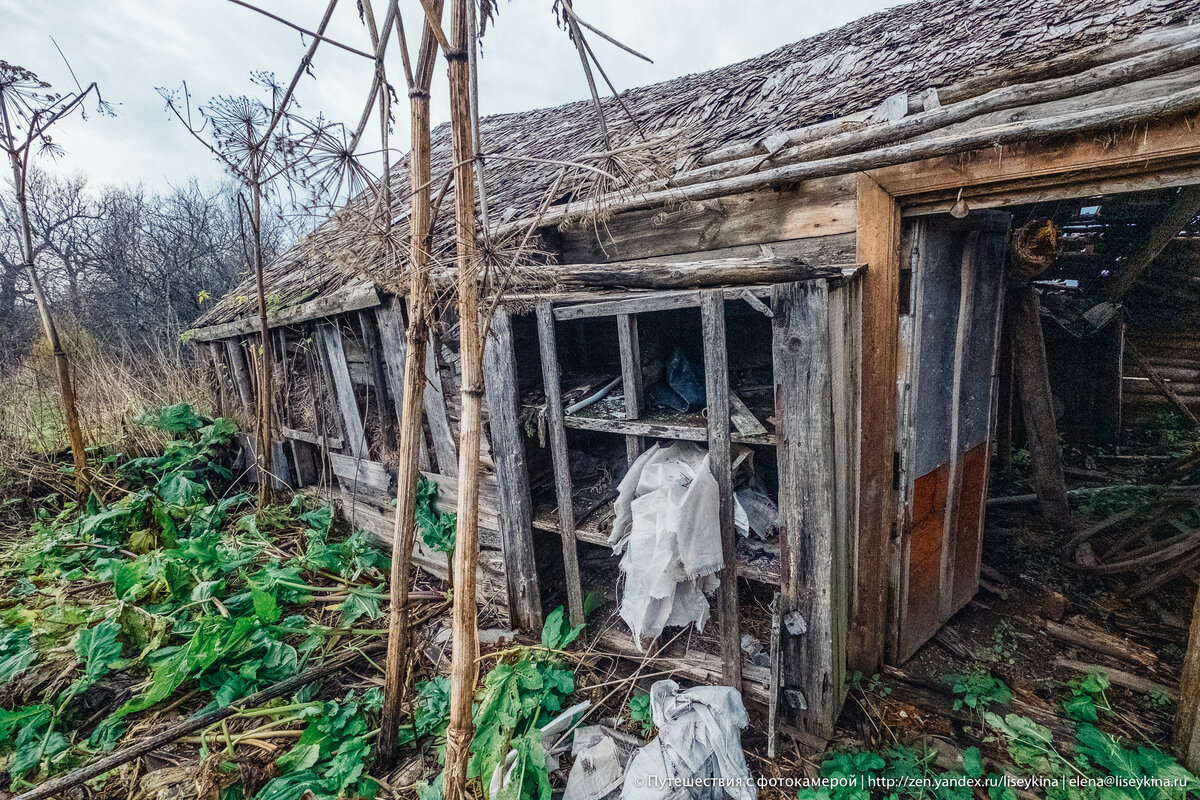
x,y
350,298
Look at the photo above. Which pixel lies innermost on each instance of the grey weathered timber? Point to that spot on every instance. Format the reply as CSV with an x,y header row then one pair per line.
x,y
716,381
392,340
1182,211
240,373
444,446
743,418
376,368
508,455
342,301
640,303
653,274
221,372
631,379
1037,403
800,345
1160,383
331,442
548,342
330,336
658,430
773,688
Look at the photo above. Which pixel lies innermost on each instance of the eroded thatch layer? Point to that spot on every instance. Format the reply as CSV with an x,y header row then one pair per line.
x,y
931,43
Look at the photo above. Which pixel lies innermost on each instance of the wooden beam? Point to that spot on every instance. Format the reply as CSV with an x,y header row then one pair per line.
x,y
350,298
330,336
508,448
716,380
437,414
878,243
240,373
548,341
936,181
812,665
392,340
631,379
654,274
1037,404
1175,219
377,369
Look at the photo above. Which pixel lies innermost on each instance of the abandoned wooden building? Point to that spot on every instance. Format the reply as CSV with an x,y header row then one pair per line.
x,y
819,237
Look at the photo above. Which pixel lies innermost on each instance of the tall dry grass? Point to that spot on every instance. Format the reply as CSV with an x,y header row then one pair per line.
x,y
115,382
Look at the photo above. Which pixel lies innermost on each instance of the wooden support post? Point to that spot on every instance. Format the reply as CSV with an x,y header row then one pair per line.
x,y
444,446
548,341
878,247
394,345
240,373
221,372
330,336
373,350
1187,719
1160,384
812,666
1004,397
1183,211
631,379
508,448
716,380
1037,404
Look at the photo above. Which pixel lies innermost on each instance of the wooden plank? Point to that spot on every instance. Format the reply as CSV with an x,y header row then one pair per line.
x,y
879,245
330,336
698,274
631,379
334,443
773,687
373,351
1166,227
716,380
351,298
225,390
394,343
240,373
812,208
1152,147
1037,404
743,418
641,303
508,448
800,344
548,342
657,430
1159,384
444,446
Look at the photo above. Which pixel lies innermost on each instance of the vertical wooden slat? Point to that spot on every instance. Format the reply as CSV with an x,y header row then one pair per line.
x,y
878,246
330,336
773,687
803,402
966,315
516,526
631,379
716,380
392,341
548,342
240,373
221,372
373,350
444,446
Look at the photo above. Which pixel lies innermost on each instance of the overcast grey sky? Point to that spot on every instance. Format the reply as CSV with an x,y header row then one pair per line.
x,y
132,46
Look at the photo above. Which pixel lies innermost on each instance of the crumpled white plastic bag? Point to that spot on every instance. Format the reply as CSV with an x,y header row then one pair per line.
x,y
699,737
667,528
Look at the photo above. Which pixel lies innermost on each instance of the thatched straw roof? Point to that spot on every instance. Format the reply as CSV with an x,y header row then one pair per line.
x,y
909,48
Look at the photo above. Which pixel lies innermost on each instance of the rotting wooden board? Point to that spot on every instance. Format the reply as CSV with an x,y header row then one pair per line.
x,y
812,208
330,336
350,298
656,430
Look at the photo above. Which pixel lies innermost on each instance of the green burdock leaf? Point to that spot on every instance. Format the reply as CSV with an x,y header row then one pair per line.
x,y
1081,708
16,652
265,607
107,734
360,603
557,633
972,762
175,419
291,786
97,648
179,490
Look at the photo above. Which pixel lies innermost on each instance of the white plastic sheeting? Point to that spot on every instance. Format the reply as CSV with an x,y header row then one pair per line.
x,y
667,526
698,751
